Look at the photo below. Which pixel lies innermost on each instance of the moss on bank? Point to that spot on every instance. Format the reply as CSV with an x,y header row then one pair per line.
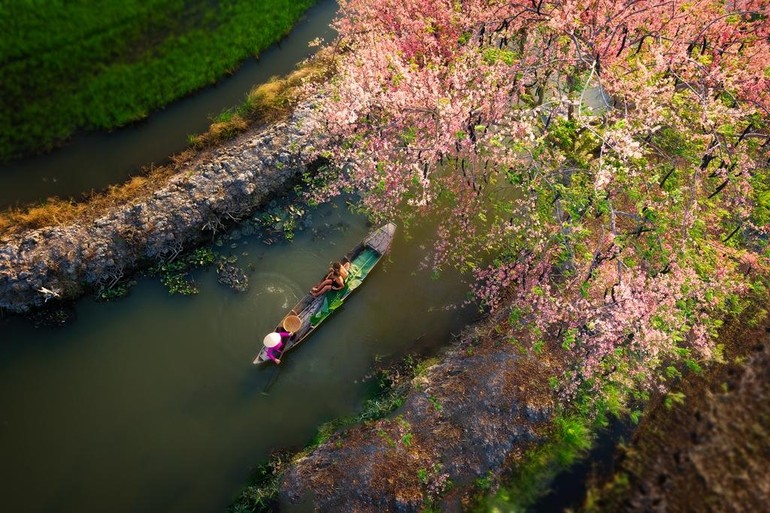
x,y
570,439
69,66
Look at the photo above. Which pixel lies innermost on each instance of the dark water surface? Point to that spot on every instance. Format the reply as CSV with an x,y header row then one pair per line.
x,y
151,403
96,160
569,488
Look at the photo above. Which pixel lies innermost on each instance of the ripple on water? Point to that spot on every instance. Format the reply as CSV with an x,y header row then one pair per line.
x,y
269,297
274,290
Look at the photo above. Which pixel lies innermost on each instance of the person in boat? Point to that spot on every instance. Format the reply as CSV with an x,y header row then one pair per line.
x,y
343,268
334,280
274,343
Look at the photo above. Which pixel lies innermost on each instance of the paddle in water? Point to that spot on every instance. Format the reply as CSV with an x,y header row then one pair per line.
x,y
274,375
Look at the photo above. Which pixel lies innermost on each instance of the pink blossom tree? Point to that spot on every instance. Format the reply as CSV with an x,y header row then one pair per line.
x,y
611,157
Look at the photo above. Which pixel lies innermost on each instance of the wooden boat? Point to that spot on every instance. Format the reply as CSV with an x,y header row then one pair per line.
x,y
312,311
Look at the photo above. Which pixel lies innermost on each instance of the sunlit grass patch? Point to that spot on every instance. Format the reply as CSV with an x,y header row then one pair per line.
x,y
68,67
268,102
265,104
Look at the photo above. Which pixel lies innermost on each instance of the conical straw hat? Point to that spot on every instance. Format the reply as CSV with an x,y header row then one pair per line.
x,y
272,339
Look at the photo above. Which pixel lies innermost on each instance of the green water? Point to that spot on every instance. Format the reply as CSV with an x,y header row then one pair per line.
x,y
151,403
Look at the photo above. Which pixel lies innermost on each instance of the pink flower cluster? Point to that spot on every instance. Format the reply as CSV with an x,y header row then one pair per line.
x,y
617,215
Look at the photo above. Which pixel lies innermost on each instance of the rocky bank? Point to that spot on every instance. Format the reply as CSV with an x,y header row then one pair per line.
x,y
469,417
216,187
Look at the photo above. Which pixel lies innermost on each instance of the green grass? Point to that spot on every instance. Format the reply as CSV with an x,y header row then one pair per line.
x,y
68,66
571,439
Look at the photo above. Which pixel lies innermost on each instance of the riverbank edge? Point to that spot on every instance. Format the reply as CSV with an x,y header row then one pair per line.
x,y
480,427
59,251
265,105
461,425
475,426
700,448
212,190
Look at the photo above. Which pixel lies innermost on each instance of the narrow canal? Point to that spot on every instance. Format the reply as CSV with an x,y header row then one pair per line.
x,y
92,162
151,403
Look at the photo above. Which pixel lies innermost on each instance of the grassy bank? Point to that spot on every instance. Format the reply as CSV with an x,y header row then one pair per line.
x,y
264,104
99,65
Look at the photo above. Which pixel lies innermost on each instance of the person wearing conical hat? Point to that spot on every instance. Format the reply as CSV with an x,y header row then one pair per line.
x,y
274,343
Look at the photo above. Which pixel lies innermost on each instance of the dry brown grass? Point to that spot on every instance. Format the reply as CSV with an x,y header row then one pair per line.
x,y
56,211
271,101
51,213
265,104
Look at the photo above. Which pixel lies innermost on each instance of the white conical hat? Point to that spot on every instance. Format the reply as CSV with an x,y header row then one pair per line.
x,y
272,339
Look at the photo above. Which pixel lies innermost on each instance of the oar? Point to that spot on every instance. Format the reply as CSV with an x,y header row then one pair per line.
x,y
277,369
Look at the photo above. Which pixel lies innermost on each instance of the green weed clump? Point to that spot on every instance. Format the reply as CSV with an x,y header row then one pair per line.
x,y
175,275
115,291
390,397
98,65
261,495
